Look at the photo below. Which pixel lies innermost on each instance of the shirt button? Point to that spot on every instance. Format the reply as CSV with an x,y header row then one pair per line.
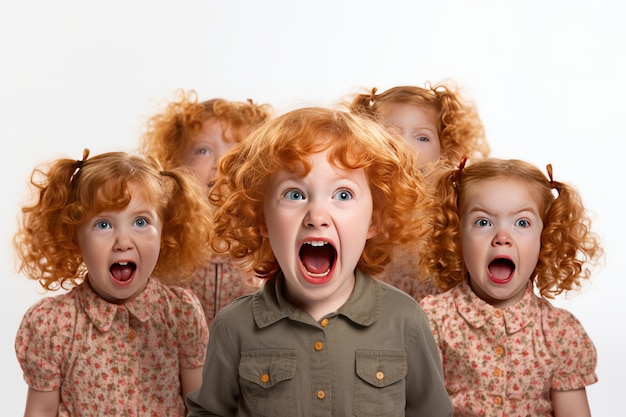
x,y
324,322
499,350
497,313
497,400
321,394
319,346
265,378
380,375
132,333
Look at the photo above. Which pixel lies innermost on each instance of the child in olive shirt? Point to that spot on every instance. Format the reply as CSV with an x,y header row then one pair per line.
x,y
313,202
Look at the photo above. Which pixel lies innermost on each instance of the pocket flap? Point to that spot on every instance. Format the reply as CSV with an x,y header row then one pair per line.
x,y
268,367
381,368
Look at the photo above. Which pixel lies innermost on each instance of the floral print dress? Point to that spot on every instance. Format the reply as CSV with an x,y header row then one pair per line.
x,y
113,360
505,362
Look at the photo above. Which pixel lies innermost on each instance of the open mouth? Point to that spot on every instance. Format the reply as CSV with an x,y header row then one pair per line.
x,y
501,270
318,259
123,271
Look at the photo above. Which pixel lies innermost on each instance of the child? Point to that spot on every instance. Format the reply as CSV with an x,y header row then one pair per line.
x,y
312,200
196,135
119,342
500,234
435,121
441,127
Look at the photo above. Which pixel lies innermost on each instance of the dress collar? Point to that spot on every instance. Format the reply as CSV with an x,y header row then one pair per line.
x,y
477,312
102,313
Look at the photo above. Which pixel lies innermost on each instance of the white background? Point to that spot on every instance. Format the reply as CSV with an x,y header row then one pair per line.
x,y
547,76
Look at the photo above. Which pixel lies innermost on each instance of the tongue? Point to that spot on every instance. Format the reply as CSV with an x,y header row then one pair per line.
x,y
500,269
121,272
317,260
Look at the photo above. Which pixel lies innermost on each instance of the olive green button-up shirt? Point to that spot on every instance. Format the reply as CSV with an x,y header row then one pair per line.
x,y
375,356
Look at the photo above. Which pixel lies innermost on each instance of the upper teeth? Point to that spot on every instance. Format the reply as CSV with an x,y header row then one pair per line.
x,y
123,263
316,243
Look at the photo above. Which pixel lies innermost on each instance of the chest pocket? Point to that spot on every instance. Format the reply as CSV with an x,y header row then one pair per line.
x,y
380,387
267,382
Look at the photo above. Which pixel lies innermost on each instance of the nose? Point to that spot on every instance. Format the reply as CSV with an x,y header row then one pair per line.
x,y
317,216
123,241
502,238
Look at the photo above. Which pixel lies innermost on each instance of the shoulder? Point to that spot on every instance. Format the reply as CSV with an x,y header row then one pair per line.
x,y
436,304
400,306
239,309
51,309
569,345
558,323
392,293
177,306
48,323
175,296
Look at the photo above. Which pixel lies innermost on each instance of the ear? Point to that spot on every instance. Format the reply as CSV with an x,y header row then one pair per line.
x,y
372,231
263,229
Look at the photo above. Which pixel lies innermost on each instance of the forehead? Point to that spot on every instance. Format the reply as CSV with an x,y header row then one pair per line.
x,y
499,193
415,112
212,127
320,162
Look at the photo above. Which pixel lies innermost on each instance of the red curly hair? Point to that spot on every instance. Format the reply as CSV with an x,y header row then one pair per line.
x,y
568,245
286,142
460,129
169,133
68,193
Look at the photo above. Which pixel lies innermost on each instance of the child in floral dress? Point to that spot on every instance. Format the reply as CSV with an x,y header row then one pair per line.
x,y
119,342
441,126
195,135
502,245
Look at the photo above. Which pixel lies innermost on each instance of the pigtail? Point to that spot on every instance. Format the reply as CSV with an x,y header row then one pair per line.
x,y
186,226
365,104
569,246
461,130
45,242
442,256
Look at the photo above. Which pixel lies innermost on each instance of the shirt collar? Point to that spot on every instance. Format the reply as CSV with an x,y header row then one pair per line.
x,y
269,304
477,312
102,313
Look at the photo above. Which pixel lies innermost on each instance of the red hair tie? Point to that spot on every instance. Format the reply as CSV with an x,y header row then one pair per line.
x,y
79,165
372,96
553,184
456,176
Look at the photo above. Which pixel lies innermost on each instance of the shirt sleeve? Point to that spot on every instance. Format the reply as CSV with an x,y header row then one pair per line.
x,y
218,395
573,350
193,331
42,338
426,389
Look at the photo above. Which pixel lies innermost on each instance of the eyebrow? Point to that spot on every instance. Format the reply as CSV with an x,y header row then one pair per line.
x,y
517,212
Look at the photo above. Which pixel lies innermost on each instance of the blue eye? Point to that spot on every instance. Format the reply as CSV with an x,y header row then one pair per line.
x,y
523,223
482,222
204,151
141,222
294,195
422,138
343,195
103,224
